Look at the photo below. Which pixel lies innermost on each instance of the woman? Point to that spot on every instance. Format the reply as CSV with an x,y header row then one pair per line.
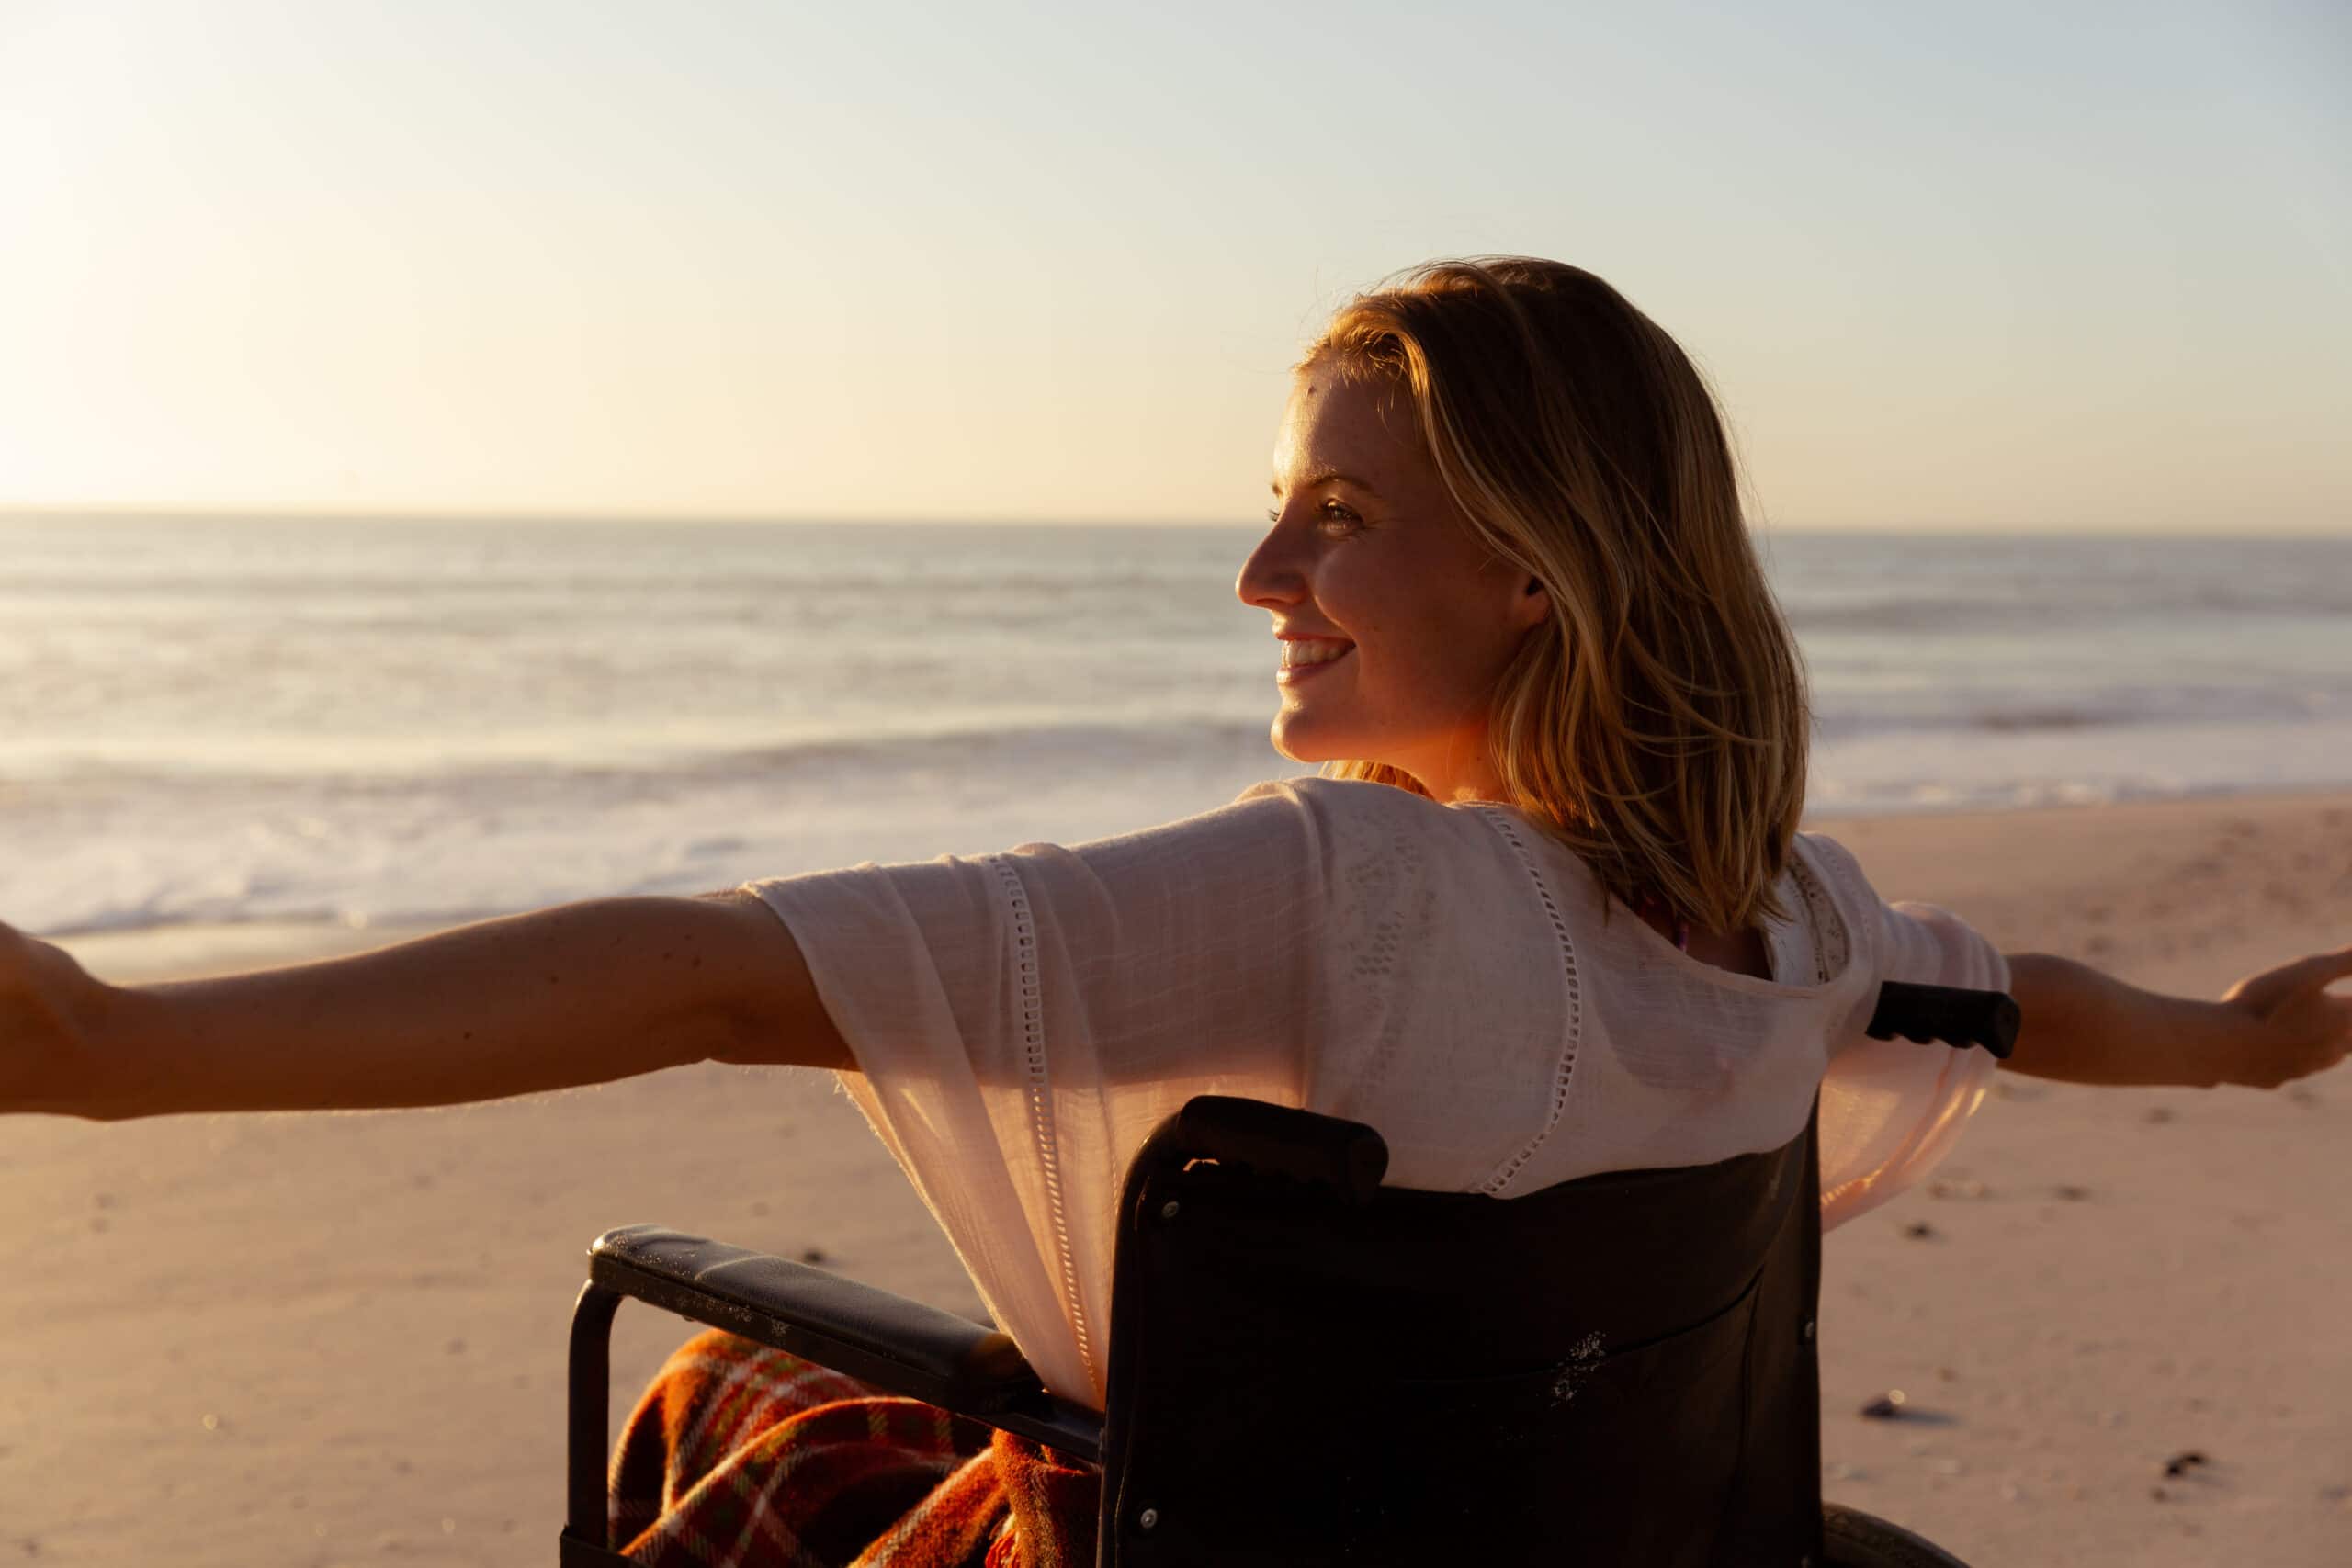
x,y
1522,624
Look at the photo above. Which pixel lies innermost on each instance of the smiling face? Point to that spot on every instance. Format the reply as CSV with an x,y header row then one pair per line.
x,y
1368,555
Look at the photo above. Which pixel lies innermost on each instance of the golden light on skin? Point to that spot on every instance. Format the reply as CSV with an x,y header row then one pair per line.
x,y
1366,546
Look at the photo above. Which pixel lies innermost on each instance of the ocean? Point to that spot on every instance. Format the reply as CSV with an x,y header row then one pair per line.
x,y
375,721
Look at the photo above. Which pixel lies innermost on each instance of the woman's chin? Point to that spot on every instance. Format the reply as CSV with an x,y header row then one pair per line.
x,y
1299,737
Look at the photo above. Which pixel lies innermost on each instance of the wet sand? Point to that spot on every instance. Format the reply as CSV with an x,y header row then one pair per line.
x,y
336,1339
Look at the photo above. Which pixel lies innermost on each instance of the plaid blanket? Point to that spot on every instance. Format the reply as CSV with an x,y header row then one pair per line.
x,y
739,1456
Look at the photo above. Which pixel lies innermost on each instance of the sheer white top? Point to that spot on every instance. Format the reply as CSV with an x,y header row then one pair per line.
x,y
1022,1021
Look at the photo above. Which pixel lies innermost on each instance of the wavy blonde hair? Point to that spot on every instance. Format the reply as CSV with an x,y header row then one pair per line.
x,y
1656,724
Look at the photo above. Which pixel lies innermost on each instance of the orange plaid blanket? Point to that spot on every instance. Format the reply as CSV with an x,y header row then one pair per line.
x,y
739,1456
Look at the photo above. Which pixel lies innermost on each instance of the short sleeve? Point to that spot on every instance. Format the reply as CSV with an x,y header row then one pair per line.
x,y
1022,1021
1890,1109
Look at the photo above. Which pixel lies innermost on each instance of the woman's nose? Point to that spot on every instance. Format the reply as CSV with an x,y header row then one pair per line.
x,y
1272,576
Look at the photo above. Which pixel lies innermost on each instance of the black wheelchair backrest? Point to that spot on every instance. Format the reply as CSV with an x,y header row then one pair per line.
x,y
1304,1358
1310,1367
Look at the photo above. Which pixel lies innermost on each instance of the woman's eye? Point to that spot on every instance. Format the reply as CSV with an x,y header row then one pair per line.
x,y
1330,512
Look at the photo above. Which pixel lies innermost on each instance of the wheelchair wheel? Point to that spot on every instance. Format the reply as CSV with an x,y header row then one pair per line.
x,y
1851,1539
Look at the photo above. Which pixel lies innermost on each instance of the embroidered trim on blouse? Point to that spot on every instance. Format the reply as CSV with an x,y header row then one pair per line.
x,y
1370,884
1832,947
1041,1106
1571,986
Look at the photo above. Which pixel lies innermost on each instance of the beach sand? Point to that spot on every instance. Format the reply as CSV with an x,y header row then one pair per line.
x,y
340,1339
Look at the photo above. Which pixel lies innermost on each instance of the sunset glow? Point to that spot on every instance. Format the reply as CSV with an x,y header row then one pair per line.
x,y
2003,271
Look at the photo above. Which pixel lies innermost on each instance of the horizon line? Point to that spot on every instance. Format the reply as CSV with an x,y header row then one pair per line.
x,y
129,511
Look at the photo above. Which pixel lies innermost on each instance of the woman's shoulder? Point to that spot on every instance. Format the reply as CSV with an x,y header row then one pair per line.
x,y
1351,800
1363,812
1908,938
1337,795
1353,833
1831,866
1295,825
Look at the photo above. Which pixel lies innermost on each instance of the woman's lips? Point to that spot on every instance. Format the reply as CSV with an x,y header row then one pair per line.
x,y
1293,674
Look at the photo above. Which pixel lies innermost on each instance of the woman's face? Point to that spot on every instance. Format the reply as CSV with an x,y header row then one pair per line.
x,y
1368,556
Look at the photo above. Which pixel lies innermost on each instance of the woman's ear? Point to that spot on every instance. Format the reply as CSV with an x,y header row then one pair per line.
x,y
1535,605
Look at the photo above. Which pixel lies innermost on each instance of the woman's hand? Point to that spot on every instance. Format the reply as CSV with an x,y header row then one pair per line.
x,y
2084,1026
2291,1027
46,1003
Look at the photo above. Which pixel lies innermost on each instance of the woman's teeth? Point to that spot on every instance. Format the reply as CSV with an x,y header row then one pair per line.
x,y
1295,654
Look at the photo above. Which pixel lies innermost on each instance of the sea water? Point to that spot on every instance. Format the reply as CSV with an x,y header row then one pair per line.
x,y
432,720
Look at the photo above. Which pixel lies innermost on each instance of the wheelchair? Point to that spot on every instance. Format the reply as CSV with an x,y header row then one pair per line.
x,y
1307,1367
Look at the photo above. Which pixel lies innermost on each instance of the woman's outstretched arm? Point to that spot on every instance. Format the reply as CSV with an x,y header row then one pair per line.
x,y
2084,1026
580,994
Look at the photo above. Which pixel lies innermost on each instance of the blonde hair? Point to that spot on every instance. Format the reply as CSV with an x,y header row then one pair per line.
x,y
1656,722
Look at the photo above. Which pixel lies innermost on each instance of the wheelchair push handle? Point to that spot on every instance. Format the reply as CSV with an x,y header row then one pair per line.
x,y
1952,1014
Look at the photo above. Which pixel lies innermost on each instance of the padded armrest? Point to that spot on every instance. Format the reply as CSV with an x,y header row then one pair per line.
x,y
898,1346
886,1339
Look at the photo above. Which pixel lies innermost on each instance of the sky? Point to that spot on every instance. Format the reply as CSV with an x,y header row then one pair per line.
x,y
2042,268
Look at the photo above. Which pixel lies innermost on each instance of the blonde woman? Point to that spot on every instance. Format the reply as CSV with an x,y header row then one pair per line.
x,y
1545,913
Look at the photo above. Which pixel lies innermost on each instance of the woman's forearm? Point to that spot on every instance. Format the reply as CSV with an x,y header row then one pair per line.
x,y
2083,1026
584,993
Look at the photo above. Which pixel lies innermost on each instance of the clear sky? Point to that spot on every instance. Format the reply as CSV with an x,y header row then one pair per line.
x,y
2047,266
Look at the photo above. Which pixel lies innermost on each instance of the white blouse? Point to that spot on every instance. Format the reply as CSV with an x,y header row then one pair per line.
x,y
1022,1020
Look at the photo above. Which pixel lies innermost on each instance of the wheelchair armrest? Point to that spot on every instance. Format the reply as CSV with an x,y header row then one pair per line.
x,y
904,1346
899,1346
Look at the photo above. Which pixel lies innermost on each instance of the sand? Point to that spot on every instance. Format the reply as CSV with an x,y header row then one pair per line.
x,y
340,1339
